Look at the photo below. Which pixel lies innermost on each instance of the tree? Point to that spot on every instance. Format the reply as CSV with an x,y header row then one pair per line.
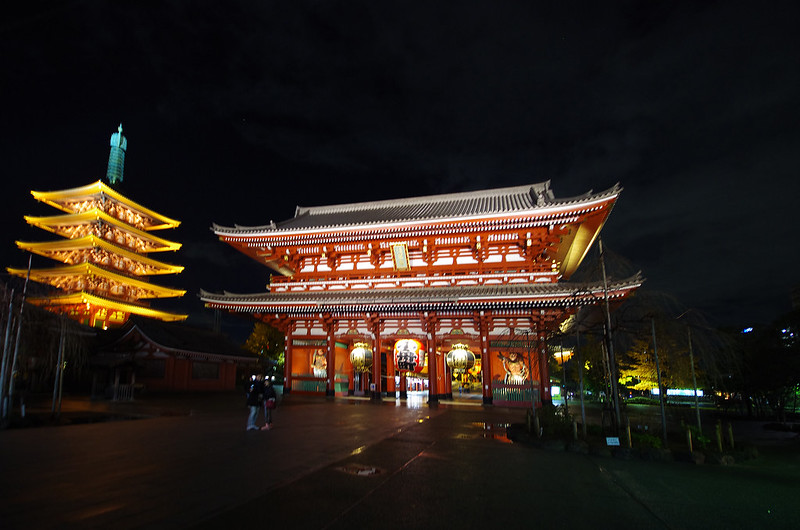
x,y
638,366
269,344
771,359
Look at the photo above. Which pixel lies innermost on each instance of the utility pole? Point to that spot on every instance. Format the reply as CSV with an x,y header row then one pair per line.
x,y
660,386
610,343
694,376
580,377
694,382
19,331
4,363
59,376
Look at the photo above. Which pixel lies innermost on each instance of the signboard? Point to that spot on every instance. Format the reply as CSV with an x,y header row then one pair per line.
x,y
612,441
400,257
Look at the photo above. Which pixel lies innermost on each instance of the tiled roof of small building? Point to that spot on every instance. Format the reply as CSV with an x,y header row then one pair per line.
x,y
178,337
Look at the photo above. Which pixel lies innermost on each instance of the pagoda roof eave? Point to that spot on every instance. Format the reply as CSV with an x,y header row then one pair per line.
x,y
521,296
92,241
51,221
88,269
535,200
56,198
101,302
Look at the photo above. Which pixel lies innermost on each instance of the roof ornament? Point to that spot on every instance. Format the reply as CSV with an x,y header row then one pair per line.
x,y
116,158
541,197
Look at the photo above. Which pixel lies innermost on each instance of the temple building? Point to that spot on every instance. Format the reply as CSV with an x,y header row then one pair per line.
x,y
106,239
439,295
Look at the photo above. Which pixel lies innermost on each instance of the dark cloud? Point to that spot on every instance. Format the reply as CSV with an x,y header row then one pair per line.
x,y
236,112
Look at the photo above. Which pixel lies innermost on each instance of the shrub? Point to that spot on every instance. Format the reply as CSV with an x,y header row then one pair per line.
x,y
639,439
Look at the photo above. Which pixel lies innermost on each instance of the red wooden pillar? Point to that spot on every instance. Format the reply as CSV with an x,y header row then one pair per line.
x,y
447,378
433,396
287,363
486,361
403,385
544,370
429,324
351,384
329,327
391,388
376,363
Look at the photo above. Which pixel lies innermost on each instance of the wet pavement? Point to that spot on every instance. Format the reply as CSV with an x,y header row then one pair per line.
x,y
349,462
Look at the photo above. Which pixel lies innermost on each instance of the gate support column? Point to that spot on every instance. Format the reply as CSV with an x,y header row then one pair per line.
x,y
544,370
486,361
429,325
376,360
329,326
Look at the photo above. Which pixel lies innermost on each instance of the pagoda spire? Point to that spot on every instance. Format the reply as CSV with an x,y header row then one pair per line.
x,y
116,158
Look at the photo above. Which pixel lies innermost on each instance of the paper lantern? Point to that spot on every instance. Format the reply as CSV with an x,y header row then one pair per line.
x,y
361,357
409,355
459,358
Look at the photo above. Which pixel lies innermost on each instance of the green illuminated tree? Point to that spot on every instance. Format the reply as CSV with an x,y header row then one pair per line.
x,y
269,344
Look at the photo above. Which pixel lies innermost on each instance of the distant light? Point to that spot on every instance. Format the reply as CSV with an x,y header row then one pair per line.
x,y
747,330
678,392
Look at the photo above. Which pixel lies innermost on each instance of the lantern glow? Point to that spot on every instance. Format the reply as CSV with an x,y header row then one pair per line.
x,y
460,358
361,357
409,355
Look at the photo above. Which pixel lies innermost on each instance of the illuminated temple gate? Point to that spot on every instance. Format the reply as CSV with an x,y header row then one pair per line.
x,y
374,293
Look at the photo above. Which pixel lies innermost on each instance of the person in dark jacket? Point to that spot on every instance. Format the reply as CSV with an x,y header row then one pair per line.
x,y
255,399
270,402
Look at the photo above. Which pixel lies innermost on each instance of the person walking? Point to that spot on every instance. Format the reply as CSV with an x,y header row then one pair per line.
x,y
255,398
270,402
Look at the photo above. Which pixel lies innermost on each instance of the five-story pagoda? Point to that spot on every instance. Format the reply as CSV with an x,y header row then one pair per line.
x,y
105,274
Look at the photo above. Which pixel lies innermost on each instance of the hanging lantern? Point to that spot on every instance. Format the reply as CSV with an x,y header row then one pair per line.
x,y
475,370
459,358
409,355
361,357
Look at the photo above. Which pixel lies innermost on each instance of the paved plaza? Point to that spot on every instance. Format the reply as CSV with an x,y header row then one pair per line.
x,y
352,463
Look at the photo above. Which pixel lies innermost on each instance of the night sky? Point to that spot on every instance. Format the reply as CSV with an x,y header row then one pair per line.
x,y
236,112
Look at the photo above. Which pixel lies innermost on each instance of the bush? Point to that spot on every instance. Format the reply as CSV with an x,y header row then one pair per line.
x,y
641,400
554,419
699,440
639,439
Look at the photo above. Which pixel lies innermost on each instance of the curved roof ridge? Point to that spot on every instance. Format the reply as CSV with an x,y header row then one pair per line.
x,y
507,200
529,190
101,188
615,189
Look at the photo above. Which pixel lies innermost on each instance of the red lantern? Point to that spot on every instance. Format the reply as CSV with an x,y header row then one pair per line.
x,y
409,355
